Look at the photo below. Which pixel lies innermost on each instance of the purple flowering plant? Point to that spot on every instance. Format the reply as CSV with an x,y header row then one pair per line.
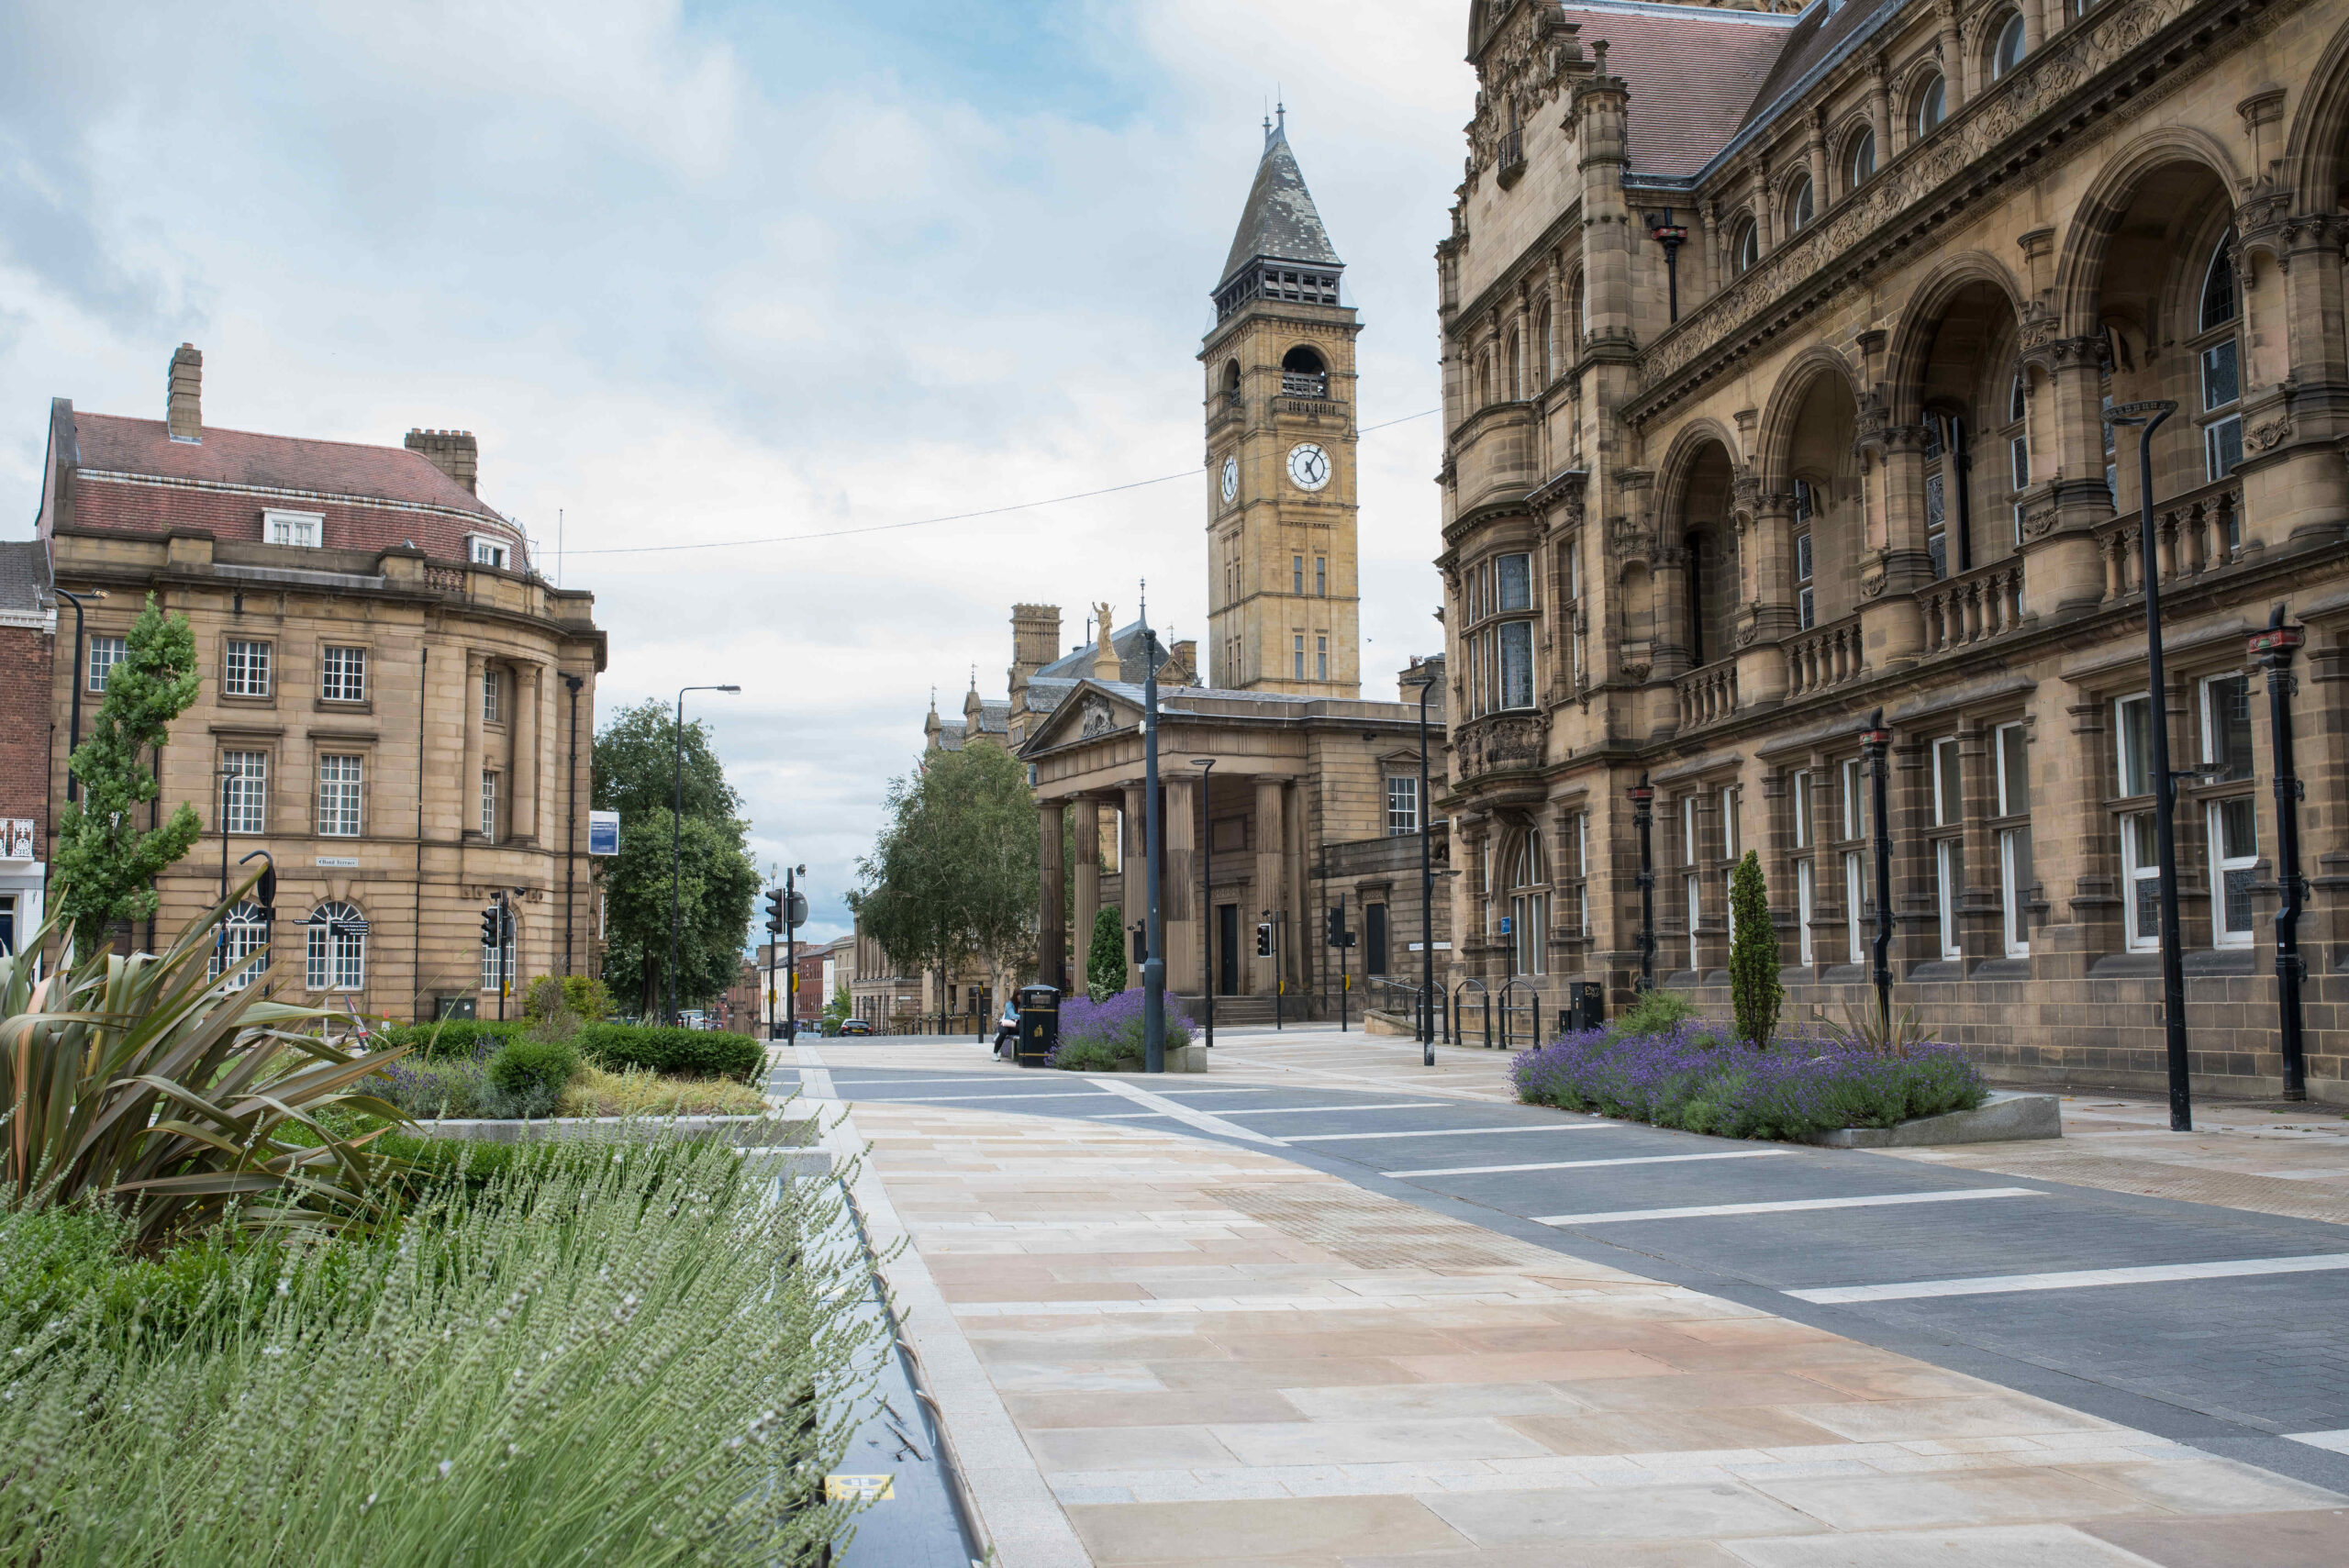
x,y
1097,1036
1692,1076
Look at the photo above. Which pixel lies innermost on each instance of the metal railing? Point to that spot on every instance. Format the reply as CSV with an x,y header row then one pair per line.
x,y
1985,603
1459,1012
1511,152
1521,1011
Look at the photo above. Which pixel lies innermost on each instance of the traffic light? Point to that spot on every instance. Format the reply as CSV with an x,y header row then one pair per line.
x,y
1264,940
1337,922
798,910
506,923
775,910
493,927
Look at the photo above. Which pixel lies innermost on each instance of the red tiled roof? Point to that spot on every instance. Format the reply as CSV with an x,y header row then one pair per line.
x,y
1692,79
112,444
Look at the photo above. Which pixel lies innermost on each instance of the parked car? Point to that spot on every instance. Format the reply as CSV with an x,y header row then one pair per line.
x,y
856,1025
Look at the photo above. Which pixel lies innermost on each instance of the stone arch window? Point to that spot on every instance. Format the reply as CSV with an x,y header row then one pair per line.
x,y
336,949
1745,247
1946,453
1231,378
1859,158
2008,44
1529,905
1484,378
1545,349
2016,436
1515,385
1304,374
1927,104
1805,592
1801,203
244,933
2217,354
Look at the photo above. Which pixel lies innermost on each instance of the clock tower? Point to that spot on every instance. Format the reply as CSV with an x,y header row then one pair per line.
x,y
1283,606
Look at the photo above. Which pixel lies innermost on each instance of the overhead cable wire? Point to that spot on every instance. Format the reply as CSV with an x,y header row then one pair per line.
x,y
950,517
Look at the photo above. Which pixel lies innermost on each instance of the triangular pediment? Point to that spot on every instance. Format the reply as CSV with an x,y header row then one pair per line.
x,y
1089,710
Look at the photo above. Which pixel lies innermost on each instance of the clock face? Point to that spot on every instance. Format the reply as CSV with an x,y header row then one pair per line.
x,y
1309,466
1231,477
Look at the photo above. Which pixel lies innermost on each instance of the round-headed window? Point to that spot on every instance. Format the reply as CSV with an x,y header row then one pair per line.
x,y
1931,105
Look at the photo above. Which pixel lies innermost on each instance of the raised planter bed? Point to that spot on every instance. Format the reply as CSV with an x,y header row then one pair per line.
x,y
2004,1117
779,1142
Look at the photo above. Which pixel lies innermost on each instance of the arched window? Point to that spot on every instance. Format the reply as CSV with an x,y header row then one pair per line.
x,y
2216,310
1545,351
1859,159
1801,205
1745,247
1515,384
1484,378
2018,451
1498,632
337,949
2008,52
1806,593
1931,105
1945,463
1231,378
1302,373
244,933
1528,905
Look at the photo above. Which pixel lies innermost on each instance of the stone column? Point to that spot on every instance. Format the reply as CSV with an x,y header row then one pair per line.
x,y
1133,882
2294,483
1302,930
1178,895
2063,567
1955,77
1088,884
1822,194
1051,940
529,692
1269,836
1880,109
1766,216
468,783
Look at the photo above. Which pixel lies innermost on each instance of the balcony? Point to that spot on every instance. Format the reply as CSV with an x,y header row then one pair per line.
x,y
1984,603
1824,658
2197,532
1708,694
1508,160
1297,383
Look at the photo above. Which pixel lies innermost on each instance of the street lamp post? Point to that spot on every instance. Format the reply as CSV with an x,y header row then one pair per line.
x,y
81,675
1427,884
1153,967
677,820
1643,821
1207,893
2274,648
791,952
1876,746
2148,417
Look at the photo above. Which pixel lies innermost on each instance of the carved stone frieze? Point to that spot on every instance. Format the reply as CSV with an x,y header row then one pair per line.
x,y
2268,436
1629,539
2043,79
1099,718
1503,742
1521,70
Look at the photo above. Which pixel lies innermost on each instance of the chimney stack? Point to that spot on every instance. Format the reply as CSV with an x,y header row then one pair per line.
x,y
184,404
453,452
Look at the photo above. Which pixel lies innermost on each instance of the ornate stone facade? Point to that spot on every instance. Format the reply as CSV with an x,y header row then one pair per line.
x,y
1774,376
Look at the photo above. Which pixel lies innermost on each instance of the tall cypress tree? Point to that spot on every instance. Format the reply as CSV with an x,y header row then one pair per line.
x,y
1755,991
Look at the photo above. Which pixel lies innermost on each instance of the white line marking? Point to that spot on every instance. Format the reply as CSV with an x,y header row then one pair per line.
x,y
1584,1164
942,1099
1788,1206
1455,1132
896,1083
1183,1114
2075,1279
2337,1442
1295,1110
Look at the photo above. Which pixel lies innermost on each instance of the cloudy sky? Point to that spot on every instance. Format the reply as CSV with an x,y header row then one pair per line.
x,y
696,274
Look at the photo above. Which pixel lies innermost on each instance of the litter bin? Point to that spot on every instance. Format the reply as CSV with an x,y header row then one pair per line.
x,y
1585,1005
1040,1025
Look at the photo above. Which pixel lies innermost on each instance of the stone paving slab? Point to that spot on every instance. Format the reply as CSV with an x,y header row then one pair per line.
x,y
1272,1382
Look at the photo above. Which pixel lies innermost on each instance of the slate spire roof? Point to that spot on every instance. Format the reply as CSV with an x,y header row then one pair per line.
x,y
1280,222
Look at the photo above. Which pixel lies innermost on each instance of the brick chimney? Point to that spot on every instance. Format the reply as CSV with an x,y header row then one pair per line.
x,y
184,403
453,452
1035,636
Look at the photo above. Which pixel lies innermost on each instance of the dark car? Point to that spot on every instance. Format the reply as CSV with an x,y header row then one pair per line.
x,y
856,1025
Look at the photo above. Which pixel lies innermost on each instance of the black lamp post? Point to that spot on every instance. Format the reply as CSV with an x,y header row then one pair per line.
x,y
2274,648
1643,821
677,820
81,675
1876,746
1207,893
1153,967
1427,883
1672,237
792,901
2148,417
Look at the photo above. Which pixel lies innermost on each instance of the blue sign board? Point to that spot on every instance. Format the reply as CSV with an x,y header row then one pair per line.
x,y
602,832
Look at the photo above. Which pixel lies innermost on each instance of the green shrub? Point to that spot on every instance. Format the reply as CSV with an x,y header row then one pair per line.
x,y
532,1072
1755,991
682,1054
1093,1056
453,1037
1652,1012
585,996
1105,961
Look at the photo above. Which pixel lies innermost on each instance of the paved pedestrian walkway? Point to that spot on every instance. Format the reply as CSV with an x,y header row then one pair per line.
x,y
1160,1348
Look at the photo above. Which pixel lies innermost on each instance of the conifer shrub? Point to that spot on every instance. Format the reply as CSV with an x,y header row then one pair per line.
x,y
1105,962
1755,993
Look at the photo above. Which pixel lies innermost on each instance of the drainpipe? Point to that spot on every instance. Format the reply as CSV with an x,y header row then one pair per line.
x,y
571,831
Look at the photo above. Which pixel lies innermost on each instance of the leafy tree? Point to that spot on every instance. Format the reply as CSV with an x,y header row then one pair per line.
x,y
717,881
954,873
1755,991
841,1006
1105,963
107,864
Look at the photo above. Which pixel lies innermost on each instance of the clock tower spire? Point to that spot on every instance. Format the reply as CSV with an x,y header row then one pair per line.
x,y
1284,612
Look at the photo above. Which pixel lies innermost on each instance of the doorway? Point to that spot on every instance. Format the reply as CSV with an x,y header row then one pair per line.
x,y
1227,950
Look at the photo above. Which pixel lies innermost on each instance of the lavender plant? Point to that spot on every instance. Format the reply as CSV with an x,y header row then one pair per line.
x,y
1097,1036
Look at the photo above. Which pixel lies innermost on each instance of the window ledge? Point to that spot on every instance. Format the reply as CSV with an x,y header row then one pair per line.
x,y
340,704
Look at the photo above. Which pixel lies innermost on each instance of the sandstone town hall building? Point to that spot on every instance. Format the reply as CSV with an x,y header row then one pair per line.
x,y
1776,350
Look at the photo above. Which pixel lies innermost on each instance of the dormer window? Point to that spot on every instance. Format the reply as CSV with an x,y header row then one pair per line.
x,y
302,530
487,551
1302,373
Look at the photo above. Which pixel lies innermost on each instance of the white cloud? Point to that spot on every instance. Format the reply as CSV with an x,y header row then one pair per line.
x,y
740,274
